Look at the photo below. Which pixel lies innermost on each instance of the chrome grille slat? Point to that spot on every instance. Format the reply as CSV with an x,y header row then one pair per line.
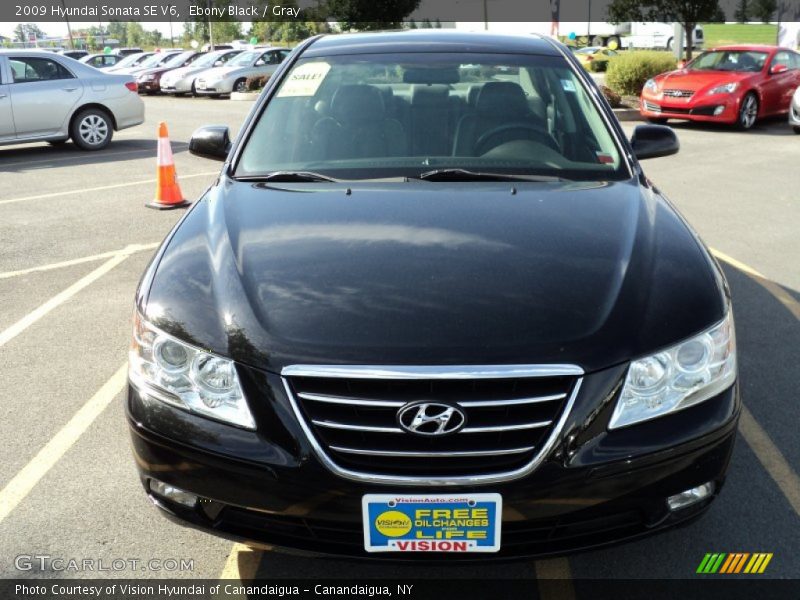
x,y
350,427
432,454
350,401
496,428
512,402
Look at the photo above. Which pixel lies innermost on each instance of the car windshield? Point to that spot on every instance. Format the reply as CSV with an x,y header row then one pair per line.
x,y
729,60
208,60
404,115
128,60
156,60
244,59
179,59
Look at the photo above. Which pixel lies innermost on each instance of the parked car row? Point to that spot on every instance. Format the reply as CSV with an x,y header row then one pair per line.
x,y
732,84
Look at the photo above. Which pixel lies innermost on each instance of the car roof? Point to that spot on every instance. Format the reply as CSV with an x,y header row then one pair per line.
x,y
749,48
430,40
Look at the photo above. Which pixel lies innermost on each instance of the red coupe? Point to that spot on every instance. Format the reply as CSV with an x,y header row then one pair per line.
x,y
731,84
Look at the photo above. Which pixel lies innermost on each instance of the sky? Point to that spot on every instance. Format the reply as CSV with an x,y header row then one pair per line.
x,y
52,29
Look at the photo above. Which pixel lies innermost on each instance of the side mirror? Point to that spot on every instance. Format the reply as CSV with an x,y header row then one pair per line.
x,y
218,63
652,141
775,69
681,64
213,142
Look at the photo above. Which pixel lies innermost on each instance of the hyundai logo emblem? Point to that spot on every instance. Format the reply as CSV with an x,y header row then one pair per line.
x,y
431,418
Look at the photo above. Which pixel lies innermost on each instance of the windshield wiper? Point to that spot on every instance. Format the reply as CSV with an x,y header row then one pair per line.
x,y
467,175
288,177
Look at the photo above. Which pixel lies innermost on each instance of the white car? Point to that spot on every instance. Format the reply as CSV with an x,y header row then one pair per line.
x,y
181,81
46,97
221,81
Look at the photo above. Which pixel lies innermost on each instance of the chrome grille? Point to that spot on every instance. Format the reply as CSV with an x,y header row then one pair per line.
x,y
651,106
512,417
678,93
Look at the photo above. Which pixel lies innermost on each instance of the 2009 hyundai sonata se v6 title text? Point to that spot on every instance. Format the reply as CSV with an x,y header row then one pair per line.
x,y
432,307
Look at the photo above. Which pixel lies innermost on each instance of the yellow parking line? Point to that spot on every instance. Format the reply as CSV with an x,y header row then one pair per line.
x,y
242,563
33,316
792,305
24,481
100,189
554,579
77,261
771,458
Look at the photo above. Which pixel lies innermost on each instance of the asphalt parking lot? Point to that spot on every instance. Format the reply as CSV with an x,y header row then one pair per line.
x,y
75,238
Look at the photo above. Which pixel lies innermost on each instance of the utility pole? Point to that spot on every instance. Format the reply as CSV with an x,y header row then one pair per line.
x,y
69,29
485,15
210,31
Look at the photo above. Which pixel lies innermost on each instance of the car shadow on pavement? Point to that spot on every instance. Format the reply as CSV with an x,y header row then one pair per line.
x,y
22,159
777,126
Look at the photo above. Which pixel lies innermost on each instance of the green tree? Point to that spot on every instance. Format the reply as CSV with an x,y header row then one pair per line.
x,y
24,30
116,30
426,24
764,9
687,13
742,12
370,14
412,24
134,34
91,43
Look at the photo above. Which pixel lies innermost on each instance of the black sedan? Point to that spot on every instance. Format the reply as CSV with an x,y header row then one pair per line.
x,y
433,306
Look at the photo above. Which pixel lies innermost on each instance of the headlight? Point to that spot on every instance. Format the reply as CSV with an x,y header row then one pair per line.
x,y
727,88
174,372
678,377
650,85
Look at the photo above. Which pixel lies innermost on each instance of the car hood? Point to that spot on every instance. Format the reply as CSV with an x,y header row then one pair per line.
x,y
432,273
181,72
218,72
697,80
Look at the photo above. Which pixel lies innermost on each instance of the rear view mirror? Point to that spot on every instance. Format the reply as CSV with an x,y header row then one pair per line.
x,y
652,141
212,141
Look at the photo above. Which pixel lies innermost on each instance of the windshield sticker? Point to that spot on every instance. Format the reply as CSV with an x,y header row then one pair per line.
x,y
568,85
305,80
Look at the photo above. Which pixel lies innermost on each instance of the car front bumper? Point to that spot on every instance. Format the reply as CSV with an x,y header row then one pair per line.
x,y
181,86
596,486
714,109
215,87
149,86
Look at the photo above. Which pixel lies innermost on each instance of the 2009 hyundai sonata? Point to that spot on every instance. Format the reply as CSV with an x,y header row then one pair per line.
x,y
432,306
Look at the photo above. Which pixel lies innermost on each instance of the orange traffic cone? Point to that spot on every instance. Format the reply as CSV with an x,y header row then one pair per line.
x,y
168,192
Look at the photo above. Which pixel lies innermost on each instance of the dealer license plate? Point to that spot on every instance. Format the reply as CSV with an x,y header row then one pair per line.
x,y
432,522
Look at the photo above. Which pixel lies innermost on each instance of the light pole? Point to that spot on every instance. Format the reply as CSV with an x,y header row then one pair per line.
x,y
69,29
210,30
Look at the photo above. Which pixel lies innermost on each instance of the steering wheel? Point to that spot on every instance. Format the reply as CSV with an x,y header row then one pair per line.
x,y
542,136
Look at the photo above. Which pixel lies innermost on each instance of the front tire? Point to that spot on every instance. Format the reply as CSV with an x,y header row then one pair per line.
x,y
748,112
796,129
240,85
91,129
670,44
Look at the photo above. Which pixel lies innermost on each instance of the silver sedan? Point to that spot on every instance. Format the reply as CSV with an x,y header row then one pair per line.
x,y
221,81
45,97
794,111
